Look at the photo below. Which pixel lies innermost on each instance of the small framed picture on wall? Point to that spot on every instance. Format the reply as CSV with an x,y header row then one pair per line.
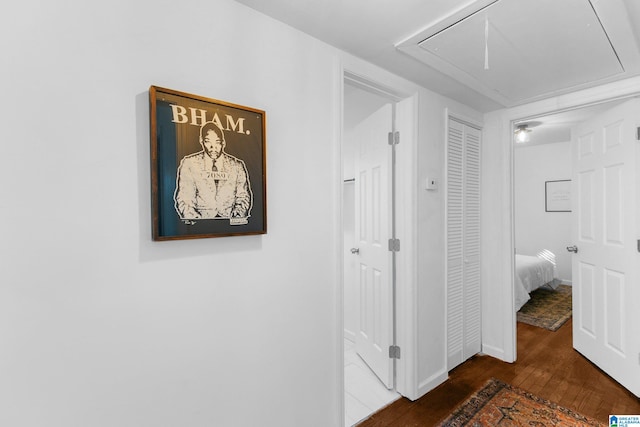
x,y
557,196
208,167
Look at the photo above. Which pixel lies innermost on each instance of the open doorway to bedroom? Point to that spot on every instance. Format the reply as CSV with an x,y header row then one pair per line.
x,y
602,201
543,217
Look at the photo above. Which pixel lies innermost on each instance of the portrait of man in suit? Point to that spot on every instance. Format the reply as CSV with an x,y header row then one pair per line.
x,y
211,184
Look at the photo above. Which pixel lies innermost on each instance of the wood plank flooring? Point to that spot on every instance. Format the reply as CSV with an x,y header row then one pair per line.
x,y
547,366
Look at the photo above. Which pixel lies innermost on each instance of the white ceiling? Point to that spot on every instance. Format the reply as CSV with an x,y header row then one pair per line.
x,y
502,51
532,49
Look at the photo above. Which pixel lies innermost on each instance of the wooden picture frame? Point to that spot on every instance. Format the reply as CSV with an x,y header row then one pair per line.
x,y
557,195
208,167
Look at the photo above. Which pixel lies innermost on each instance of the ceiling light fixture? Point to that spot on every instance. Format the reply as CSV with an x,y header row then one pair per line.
x,y
522,134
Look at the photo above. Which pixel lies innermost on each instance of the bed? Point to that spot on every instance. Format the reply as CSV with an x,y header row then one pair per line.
x,y
532,272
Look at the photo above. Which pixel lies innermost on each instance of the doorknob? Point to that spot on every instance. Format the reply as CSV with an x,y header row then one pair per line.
x,y
573,249
355,250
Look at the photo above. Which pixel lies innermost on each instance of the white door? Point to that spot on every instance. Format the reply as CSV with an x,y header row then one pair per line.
x,y
605,231
372,231
462,260
350,261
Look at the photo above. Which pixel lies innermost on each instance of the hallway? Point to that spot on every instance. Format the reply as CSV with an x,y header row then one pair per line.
x,y
547,366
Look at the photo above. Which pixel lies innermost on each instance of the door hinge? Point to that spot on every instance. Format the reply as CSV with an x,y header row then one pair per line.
x,y
638,134
394,138
394,245
394,352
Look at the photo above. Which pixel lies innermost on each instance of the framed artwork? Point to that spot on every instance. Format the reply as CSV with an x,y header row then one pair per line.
x,y
557,196
208,167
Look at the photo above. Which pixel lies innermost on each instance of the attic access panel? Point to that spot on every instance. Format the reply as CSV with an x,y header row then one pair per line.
x,y
531,48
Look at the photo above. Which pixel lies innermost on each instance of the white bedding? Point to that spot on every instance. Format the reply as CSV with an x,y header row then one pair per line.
x,y
532,272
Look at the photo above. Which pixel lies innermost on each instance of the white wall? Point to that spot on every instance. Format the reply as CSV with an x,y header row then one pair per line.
x,y
496,220
100,326
535,229
430,238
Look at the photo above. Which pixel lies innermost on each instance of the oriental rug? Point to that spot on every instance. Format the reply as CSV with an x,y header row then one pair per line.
x,y
501,404
547,308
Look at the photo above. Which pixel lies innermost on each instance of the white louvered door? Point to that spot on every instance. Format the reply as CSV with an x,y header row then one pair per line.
x,y
463,242
455,243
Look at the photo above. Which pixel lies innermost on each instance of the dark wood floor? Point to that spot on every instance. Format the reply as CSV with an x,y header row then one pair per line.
x,y
547,366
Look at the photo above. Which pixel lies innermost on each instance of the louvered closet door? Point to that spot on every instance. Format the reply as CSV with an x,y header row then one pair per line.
x,y
471,248
463,242
455,229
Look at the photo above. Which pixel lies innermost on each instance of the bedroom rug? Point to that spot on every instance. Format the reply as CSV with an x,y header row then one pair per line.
x,y
547,308
501,404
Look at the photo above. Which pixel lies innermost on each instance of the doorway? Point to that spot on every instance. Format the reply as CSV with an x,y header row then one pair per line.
x,y
591,161
368,117
541,162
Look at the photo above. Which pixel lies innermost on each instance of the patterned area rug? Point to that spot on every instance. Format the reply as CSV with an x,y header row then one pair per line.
x,y
547,308
500,404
